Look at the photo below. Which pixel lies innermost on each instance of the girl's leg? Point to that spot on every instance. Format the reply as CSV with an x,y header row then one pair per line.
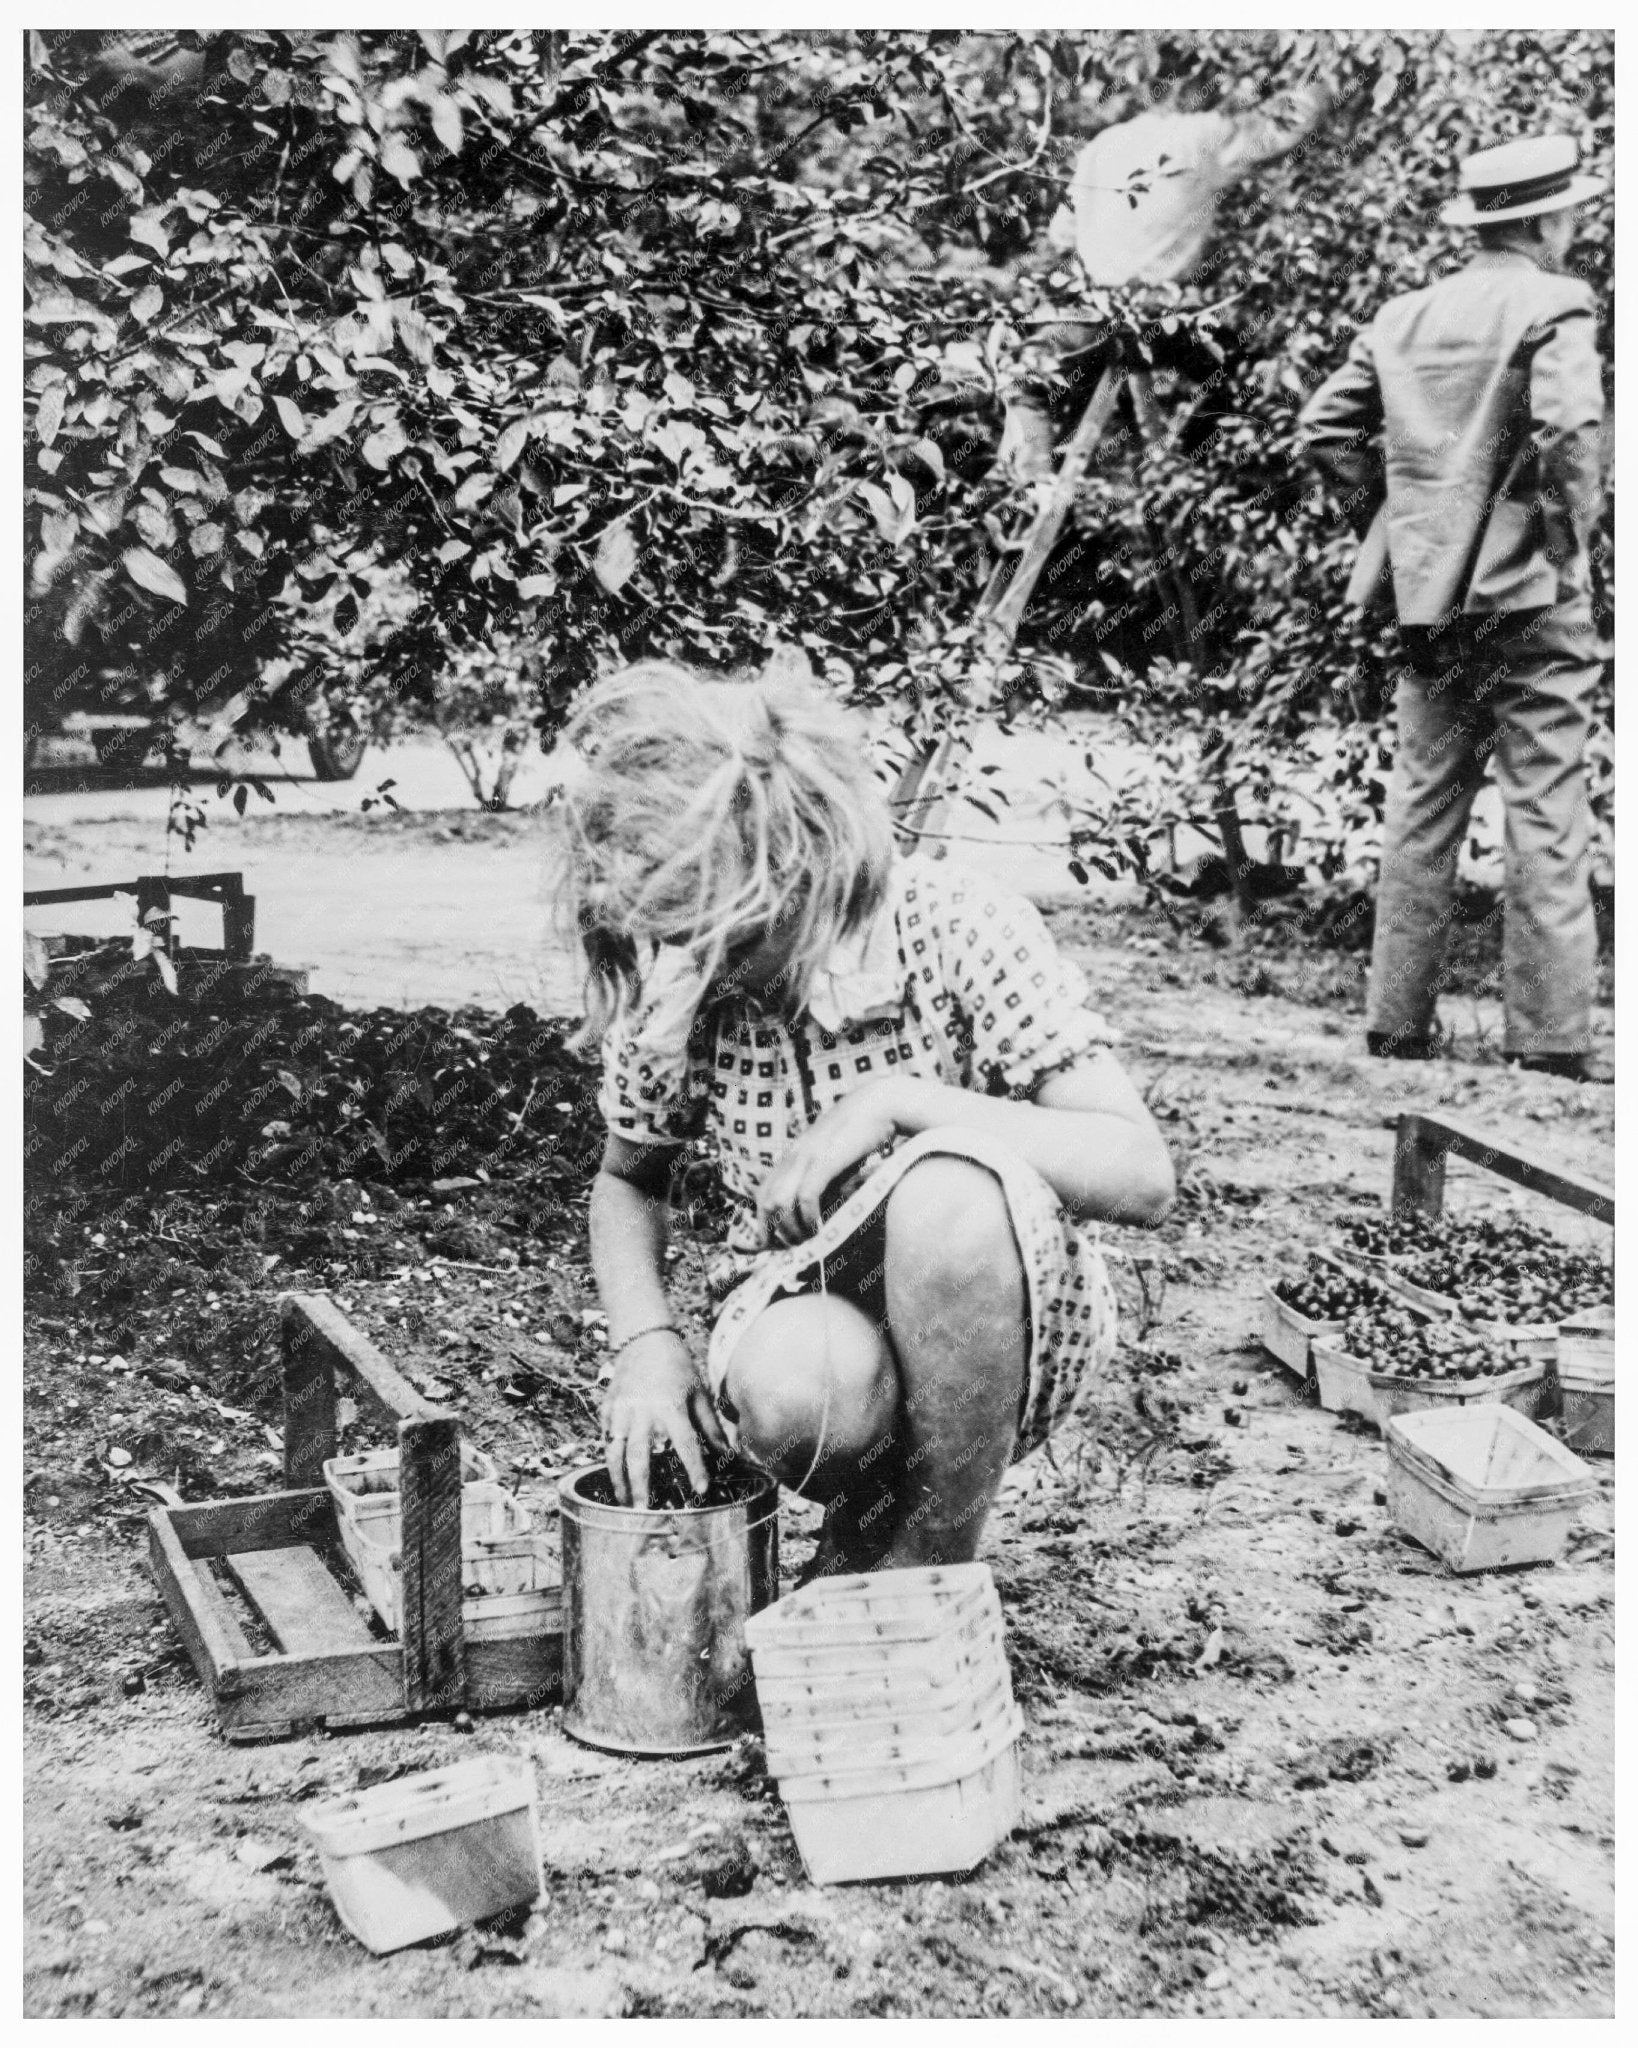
x,y
896,1402
814,1391
957,1309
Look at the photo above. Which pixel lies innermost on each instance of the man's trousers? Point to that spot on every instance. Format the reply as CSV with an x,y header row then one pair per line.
x,y
1514,689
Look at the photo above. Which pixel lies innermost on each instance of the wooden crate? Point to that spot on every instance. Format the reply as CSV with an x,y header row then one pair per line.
x,y
282,1552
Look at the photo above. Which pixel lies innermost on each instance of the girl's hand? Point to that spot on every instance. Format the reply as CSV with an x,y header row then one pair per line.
x,y
850,1130
655,1398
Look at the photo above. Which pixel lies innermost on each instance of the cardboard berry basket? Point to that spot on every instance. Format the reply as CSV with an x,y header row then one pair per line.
x,y
1344,1382
1396,1394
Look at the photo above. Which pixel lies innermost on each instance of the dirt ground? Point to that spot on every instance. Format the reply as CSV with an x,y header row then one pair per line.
x,y
1266,1762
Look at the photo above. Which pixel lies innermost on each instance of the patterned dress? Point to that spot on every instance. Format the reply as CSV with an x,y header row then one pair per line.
x,y
956,981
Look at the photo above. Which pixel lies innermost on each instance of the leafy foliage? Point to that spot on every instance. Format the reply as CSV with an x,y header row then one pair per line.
x,y
690,342
544,323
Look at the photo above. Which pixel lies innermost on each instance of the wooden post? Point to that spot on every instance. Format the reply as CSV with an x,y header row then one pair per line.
x,y
238,921
1422,1140
429,1478
153,892
1418,1171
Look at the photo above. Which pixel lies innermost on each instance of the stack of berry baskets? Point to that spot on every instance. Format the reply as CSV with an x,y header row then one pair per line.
x,y
889,1721
512,1580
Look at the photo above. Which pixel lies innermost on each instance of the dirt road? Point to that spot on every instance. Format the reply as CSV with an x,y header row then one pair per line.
x,y
439,902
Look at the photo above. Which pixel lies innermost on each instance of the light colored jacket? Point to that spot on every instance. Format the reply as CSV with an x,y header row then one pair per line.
x,y
1467,418
1144,192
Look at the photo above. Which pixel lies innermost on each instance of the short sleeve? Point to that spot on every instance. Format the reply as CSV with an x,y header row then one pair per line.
x,y
647,1093
1026,1006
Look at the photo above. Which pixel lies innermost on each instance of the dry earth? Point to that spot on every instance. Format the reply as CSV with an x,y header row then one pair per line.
x,y
1267,1771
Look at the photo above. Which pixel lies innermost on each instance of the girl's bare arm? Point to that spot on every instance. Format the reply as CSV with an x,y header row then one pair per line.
x,y
1087,1133
629,1221
655,1394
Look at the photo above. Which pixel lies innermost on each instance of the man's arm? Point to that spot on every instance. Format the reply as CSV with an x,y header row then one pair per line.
x,y
1274,129
1566,413
1340,424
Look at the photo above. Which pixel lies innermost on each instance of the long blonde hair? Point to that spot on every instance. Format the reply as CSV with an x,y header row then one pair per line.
x,y
703,813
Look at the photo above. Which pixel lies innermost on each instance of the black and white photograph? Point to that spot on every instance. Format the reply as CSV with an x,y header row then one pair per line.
x,y
818,1115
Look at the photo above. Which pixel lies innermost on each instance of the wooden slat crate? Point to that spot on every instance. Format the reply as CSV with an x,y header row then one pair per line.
x,y
282,1553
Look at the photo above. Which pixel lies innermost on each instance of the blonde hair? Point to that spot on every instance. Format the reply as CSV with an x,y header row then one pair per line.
x,y
705,813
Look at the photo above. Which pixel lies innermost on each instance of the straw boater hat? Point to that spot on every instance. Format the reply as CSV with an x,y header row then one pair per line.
x,y
1536,174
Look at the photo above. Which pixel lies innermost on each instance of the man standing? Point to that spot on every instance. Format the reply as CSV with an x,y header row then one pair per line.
x,y
1467,418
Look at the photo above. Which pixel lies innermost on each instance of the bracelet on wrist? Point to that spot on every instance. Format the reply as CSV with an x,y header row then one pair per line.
x,y
649,1330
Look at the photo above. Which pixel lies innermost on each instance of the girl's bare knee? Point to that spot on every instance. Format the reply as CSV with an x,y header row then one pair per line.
x,y
948,1224
803,1363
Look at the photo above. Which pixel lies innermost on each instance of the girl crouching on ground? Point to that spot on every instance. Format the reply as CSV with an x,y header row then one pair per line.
x,y
915,1115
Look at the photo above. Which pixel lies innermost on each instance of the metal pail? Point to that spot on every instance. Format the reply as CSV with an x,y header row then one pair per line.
x,y
655,1602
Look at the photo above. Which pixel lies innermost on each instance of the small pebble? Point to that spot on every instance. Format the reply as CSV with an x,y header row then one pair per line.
x,y
133,1683
1458,1774
1524,1691
1520,1729
1347,1526
1242,1387
33,1654
1415,1838
1485,1767
1372,1892
1233,1417
1380,1496
462,1723
1219,1980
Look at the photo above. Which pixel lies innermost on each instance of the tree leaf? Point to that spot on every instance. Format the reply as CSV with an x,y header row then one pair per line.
x,y
58,532
36,960
148,304
48,416
616,557
447,124
293,419
884,511
510,444
388,440
331,428
73,1006
415,335
145,228
163,960
399,161
143,566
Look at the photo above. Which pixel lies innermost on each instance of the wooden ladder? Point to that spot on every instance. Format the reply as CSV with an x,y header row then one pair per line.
x,y
920,796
